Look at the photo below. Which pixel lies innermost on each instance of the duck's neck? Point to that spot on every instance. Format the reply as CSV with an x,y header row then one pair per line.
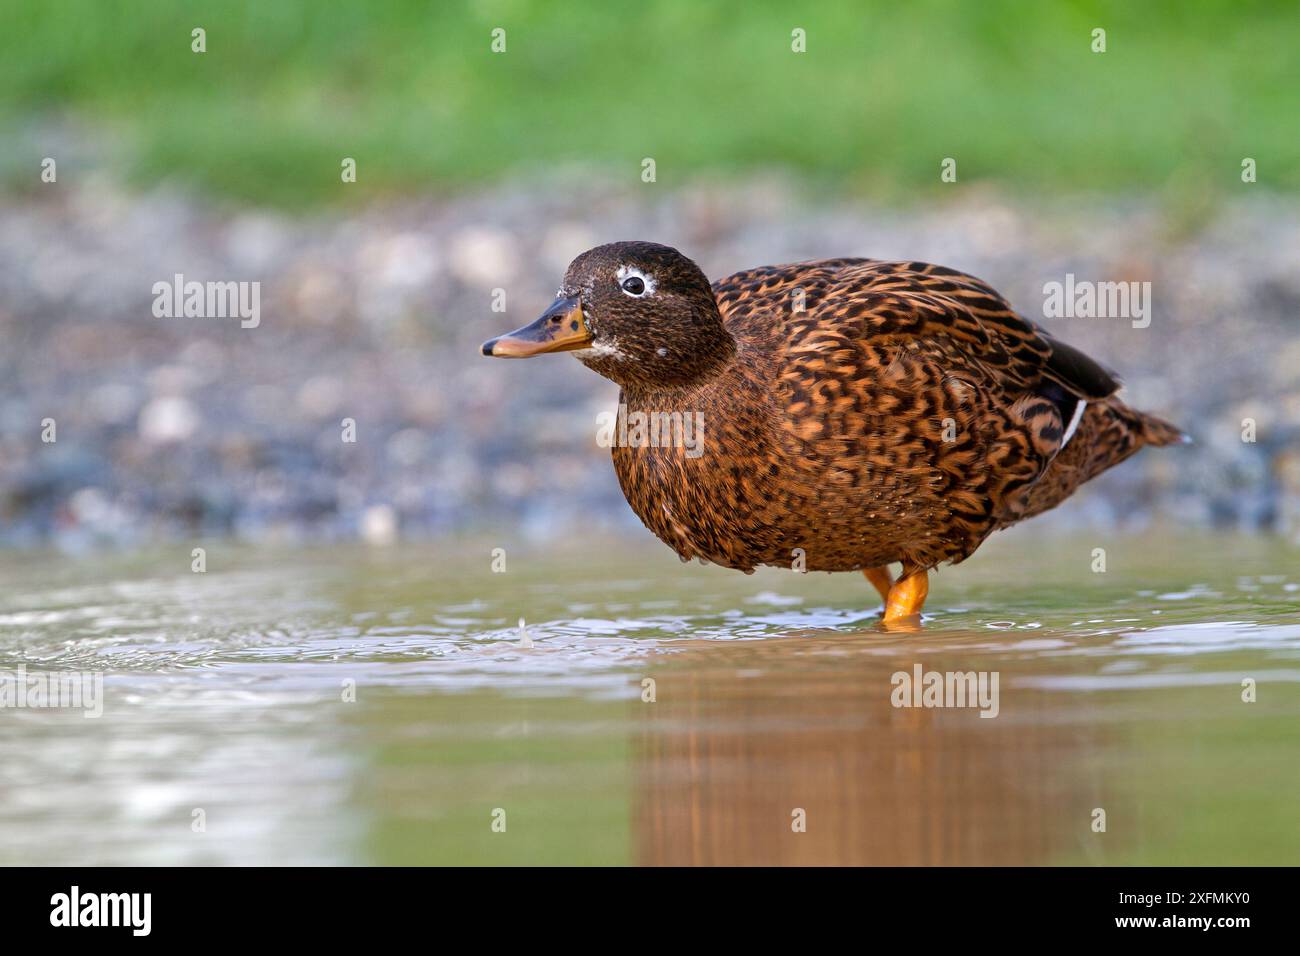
x,y
723,400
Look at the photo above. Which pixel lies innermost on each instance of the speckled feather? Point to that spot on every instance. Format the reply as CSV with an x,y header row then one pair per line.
x,y
825,430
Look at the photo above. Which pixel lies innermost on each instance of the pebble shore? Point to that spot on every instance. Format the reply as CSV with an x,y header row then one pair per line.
x,y
185,427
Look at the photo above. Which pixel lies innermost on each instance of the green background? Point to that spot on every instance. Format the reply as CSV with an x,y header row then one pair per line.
x,y
884,92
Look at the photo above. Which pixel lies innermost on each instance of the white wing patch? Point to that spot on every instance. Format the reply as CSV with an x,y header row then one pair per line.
x,y
1079,409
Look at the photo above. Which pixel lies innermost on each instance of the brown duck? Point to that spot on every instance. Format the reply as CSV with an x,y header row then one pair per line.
x,y
856,413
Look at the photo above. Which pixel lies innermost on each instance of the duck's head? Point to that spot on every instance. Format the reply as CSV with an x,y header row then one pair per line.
x,y
639,313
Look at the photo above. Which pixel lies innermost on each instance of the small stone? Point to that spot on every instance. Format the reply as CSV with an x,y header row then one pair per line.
x,y
485,257
168,419
379,525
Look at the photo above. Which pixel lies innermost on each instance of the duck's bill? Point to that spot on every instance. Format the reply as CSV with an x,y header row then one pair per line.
x,y
560,329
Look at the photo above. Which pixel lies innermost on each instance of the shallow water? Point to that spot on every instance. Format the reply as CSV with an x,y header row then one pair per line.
x,y
226,703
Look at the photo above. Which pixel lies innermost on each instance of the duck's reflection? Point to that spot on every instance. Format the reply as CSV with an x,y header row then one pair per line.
x,y
743,738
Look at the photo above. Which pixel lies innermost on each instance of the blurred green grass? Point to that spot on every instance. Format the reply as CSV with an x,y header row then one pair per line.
x,y
884,92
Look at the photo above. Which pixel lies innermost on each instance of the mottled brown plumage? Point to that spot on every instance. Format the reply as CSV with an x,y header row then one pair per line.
x,y
856,412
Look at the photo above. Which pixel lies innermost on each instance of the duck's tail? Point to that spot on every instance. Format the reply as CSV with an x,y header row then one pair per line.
x,y
1157,431
1108,432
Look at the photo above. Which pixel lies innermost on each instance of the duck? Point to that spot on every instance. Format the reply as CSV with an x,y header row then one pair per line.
x,y
857,414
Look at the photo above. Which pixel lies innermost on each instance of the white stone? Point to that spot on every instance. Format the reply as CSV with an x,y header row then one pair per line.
x,y
168,419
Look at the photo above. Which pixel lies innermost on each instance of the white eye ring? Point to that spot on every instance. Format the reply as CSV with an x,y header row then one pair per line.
x,y
634,282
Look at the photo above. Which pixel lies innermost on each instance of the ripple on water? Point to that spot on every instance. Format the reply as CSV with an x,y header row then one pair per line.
x,y
287,630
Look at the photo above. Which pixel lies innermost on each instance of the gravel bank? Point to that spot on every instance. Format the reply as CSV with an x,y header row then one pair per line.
x,y
180,427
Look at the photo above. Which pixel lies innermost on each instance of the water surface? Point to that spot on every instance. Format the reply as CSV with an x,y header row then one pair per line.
x,y
344,705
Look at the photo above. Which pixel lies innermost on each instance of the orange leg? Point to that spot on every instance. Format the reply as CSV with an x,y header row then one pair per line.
x,y
880,579
907,596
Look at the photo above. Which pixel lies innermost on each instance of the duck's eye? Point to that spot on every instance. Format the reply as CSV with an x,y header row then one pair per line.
x,y
634,285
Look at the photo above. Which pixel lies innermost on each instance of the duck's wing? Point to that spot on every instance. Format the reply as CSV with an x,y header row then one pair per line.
x,y
927,307
901,348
